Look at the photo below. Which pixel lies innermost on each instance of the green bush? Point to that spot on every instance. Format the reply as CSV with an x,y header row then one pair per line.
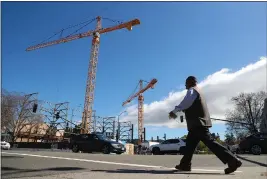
x,y
202,147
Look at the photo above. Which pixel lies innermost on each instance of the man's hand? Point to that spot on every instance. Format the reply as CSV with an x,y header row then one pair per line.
x,y
172,115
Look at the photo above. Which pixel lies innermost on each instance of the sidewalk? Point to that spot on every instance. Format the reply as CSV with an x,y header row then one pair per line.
x,y
247,173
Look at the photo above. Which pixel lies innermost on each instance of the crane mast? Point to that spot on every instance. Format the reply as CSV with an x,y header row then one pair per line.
x,y
140,113
151,85
91,79
91,76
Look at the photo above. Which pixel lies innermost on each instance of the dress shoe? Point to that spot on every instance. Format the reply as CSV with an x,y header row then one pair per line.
x,y
232,166
182,168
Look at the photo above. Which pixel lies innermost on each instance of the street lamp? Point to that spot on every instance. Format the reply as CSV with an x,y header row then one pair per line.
x,y
118,130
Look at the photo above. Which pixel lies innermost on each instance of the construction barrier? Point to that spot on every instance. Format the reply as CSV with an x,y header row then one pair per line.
x,y
129,149
40,145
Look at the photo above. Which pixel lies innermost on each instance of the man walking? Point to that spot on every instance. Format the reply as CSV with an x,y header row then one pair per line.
x,y
198,123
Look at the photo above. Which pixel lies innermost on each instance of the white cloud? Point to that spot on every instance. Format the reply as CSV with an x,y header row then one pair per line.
x,y
218,89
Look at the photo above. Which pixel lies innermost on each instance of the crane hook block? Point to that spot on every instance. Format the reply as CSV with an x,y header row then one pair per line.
x,y
130,27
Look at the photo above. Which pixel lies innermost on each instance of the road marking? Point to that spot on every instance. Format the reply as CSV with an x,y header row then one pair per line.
x,y
112,163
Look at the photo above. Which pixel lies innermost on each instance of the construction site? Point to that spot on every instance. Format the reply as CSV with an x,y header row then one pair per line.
x,y
58,123
133,90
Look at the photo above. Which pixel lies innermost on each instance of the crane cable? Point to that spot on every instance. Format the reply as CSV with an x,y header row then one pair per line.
x,y
75,25
81,27
115,21
71,26
136,88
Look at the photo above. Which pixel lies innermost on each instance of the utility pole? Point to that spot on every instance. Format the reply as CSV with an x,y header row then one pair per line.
x,y
132,133
71,128
114,130
164,136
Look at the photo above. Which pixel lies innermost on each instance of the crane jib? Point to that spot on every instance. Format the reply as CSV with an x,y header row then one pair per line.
x,y
84,34
151,84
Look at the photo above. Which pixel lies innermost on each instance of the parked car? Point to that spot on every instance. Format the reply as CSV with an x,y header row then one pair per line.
x,y
5,145
143,148
95,142
234,148
255,144
168,147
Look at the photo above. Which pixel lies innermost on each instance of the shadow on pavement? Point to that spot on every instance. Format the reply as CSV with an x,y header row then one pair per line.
x,y
6,157
8,168
252,161
156,172
17,170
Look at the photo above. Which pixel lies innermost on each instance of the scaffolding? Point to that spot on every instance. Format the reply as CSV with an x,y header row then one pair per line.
x,y
55,120
125,131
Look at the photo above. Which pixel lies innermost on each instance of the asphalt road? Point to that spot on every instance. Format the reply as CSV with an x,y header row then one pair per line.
x,y
47,164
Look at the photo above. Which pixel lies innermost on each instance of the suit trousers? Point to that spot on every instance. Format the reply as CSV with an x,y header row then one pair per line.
x,y
202,134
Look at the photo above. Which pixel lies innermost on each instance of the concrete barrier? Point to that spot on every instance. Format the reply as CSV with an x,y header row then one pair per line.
x,y
129,149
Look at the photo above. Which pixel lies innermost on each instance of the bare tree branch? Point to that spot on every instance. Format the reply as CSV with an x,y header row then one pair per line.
x,y
16,113
248,107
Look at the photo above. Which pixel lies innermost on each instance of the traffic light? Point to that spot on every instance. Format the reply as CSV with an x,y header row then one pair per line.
x,y
182,118
144,132
57,115
34,108
117,135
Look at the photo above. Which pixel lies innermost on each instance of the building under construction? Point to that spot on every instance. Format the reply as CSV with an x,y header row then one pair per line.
x,y
56,124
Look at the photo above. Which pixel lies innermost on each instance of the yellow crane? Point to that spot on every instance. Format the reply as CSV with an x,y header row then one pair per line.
x,y
91,76
150,84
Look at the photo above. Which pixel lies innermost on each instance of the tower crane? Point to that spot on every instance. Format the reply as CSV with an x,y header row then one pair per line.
x,y
91,76
151,85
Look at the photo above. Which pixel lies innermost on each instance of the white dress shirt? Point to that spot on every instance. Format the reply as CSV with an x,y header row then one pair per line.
x,y
188,100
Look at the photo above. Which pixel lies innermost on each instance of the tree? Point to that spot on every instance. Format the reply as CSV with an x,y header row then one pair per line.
x,y
247,109
263,126
32,125
184,137
67,131
77,129
218,135
16,114
230,138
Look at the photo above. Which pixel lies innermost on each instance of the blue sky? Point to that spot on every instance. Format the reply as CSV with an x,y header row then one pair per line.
x,y
174,40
